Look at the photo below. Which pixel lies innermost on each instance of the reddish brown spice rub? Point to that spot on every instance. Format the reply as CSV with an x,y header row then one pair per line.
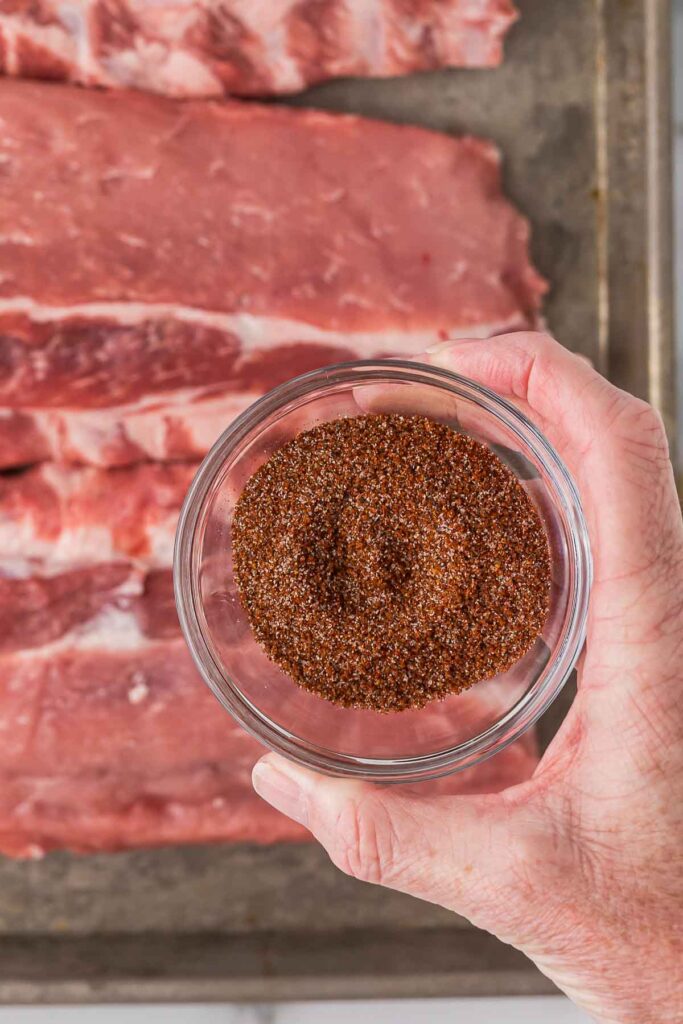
x,y
385,561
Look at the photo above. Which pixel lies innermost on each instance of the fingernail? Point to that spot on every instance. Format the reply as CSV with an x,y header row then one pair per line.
x,y
278,788
443,346
438,347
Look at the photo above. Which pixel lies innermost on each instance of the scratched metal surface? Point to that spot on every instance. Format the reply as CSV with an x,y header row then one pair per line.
x,y
580,110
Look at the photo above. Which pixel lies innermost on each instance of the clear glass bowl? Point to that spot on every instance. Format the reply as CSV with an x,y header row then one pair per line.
x,y
409,746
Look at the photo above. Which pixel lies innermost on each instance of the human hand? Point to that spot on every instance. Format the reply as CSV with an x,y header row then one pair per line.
x,y
581,866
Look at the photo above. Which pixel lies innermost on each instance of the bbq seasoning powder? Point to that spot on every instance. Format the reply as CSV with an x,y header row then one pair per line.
x,y
386,561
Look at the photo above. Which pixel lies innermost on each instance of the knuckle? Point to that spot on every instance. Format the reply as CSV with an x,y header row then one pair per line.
x,y
538,347
365,844
641,424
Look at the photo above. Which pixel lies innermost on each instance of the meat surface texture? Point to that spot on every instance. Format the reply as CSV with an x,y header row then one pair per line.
x,y
109,740
55,518
194,48
163,263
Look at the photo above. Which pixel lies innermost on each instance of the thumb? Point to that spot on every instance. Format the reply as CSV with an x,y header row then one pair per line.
x,y
454,851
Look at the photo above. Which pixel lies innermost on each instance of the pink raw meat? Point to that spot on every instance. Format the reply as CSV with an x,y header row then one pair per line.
x,y
109,740
106,748
54,518
189,48
163,263
41,609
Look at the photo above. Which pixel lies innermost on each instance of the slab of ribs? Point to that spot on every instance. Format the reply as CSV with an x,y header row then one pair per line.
x,y
189,48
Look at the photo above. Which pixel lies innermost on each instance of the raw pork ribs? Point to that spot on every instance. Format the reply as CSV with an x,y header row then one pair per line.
x,y
162,264
189,48
108,739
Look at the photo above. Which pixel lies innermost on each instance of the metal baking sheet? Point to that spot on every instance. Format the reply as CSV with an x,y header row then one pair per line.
x,y
580,110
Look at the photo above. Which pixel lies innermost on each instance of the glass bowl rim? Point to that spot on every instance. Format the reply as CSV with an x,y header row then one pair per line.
x,y
514,722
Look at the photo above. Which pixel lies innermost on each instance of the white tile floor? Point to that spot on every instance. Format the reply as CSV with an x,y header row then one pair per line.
x,y
440,1011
